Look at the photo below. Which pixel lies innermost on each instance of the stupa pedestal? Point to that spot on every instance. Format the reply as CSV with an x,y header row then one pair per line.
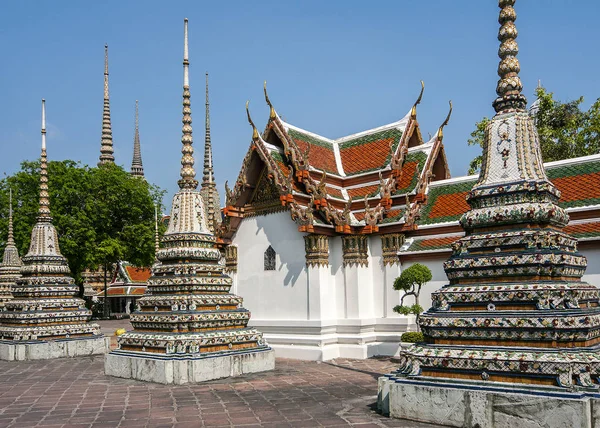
x,y
188,328
514,339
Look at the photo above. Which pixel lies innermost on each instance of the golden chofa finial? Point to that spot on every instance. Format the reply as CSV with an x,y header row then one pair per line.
x,y
413,111
254,130
272,114
440,133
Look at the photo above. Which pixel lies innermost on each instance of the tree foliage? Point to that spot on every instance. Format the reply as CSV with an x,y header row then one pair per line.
x,y
102,215
565,130
410,281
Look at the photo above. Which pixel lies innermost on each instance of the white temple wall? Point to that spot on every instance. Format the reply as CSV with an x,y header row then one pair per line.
x,y
592,273
279,294
439,279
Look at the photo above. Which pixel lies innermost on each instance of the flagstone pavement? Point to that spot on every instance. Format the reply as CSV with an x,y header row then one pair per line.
x,y
76,393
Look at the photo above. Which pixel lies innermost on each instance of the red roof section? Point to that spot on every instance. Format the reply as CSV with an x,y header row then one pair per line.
x,y
583,228
138,274
450,205
319,157
368,156
360,192
578,187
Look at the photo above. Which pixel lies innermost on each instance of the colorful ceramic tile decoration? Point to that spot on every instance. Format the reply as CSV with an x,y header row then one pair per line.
x,y
515,309
187,313
10,268
45,306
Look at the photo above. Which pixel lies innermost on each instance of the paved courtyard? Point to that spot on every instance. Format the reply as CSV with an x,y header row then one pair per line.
x,y
76,393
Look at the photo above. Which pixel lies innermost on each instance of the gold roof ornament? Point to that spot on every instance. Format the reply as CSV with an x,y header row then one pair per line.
x,y
254,130
440,132
413,110
272,114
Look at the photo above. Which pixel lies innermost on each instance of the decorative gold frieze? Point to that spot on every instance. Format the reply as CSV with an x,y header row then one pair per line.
x,y
390,245
231,258
317,250
355,250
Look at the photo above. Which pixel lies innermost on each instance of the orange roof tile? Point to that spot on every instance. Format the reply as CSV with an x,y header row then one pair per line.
x,y
365,157
360,192
319,157
578,187
138,274
449,205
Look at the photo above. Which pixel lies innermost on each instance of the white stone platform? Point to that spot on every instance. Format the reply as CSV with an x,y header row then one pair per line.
x,y
482,404
46,350
180,370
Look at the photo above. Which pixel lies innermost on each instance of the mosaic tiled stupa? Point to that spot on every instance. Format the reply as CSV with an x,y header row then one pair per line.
x,y
188,327
10,268
45,319
516,315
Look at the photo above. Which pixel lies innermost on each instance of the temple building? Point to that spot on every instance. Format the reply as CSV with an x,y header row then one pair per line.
x,y
512,339
10,268
44,319
188,328
127,285
106,143
313,227
137,168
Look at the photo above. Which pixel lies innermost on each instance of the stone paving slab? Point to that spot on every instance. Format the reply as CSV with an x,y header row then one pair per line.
x,y
76,393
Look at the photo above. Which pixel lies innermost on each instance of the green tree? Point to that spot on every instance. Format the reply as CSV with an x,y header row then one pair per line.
x,y
565,130
411,280
102,215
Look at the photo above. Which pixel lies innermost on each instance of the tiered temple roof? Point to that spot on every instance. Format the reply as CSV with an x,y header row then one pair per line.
x,y
438,225
127,280
188,310
360,183
11,262
44,305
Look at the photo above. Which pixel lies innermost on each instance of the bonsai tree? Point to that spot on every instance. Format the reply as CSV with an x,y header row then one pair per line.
x,y
410,281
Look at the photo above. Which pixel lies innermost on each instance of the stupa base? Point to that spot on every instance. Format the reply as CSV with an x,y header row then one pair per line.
x,y
47,350
471,404
181,370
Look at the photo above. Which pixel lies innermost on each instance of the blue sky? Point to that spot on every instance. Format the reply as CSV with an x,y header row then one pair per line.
x,y
333,67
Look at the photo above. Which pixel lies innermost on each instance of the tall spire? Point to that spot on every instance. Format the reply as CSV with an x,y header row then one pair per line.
x,y
156,240
209,187
106,148
208,176
188,172
11,238
137,169
509,86
44,207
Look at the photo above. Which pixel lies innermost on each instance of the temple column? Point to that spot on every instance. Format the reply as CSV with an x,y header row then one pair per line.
x,y
390,245
321,296
357,277
231,262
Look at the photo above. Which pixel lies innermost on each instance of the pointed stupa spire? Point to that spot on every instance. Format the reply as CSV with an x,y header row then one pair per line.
x,y
106,148
44,206
209,187
156,240
11,262
137,168
509,86
188,172
188,308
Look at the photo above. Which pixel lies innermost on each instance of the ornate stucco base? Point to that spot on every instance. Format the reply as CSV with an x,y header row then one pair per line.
x,y
345,338
470,404
46,350
186,369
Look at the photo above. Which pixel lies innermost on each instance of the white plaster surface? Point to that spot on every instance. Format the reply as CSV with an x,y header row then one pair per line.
x,y
472,408
183,371
14,351
316,313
